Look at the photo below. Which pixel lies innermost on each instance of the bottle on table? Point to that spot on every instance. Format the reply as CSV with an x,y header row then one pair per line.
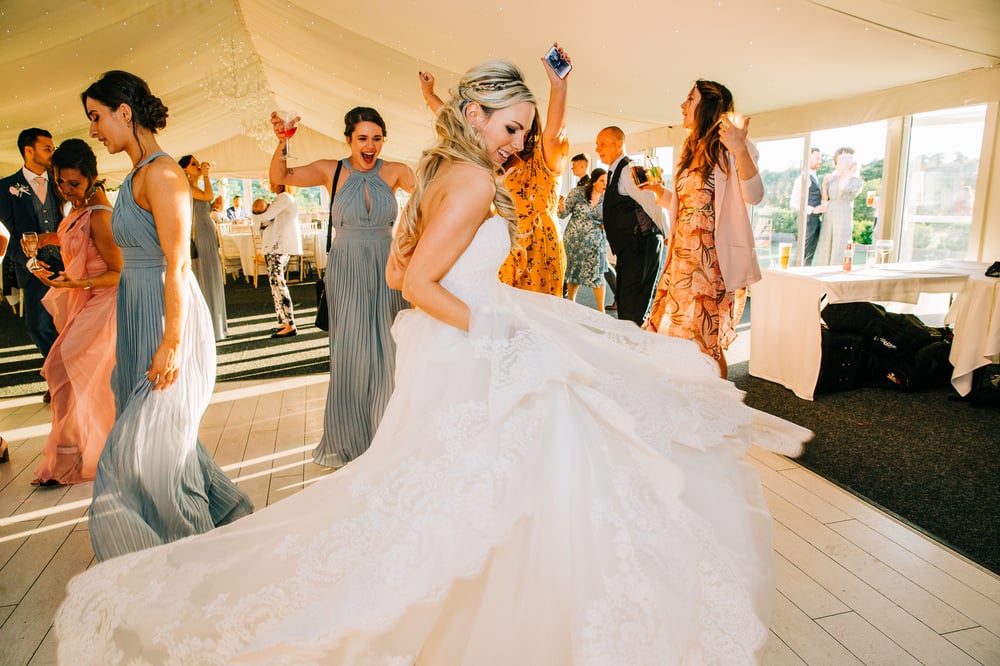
x,y
848,256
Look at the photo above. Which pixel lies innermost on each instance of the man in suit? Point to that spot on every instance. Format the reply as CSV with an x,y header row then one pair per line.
x,y
813,210
236,212
29,202
634,225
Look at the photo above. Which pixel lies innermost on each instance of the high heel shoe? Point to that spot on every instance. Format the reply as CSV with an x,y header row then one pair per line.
x,y
4,451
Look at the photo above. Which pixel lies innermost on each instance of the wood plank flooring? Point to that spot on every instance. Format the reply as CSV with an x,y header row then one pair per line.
x,y
854,585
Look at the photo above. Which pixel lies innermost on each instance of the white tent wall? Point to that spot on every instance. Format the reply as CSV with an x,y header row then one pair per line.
x,y
222,65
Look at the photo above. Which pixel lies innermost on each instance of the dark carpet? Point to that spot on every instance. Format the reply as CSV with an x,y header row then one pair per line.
x,y
928,458
931,461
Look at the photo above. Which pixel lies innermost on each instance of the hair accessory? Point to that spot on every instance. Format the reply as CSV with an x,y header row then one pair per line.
x,y
499,85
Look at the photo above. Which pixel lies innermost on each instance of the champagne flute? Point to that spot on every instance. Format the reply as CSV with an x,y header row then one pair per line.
x,y
30,240
290,120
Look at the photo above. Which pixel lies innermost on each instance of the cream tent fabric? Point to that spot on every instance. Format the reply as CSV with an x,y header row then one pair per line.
x,y
222,65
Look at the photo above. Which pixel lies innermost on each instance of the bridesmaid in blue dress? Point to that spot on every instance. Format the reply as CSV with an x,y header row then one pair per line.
x,y
361,305
207,266
155,481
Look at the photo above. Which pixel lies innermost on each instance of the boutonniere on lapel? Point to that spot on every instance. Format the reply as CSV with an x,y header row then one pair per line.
x,y
19,189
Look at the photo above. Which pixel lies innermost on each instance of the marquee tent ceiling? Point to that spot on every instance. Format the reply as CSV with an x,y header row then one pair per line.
x,y
222,65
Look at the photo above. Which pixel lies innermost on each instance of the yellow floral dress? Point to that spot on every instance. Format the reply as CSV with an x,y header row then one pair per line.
x,y
691,300
539,264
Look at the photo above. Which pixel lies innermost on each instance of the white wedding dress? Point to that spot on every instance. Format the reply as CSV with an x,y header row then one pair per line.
x,y
554,487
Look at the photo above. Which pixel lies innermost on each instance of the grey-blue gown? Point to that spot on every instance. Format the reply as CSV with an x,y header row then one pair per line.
x,y
155,481
207,267
362,309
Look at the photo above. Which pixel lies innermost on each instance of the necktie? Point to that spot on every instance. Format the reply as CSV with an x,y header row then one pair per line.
x,y
40,188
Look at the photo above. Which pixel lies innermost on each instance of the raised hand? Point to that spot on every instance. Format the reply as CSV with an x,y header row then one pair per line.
x,y
279,125
426,83
733,131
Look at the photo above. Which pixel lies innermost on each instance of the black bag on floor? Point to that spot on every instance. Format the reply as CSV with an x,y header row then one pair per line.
x,y
900,351
985,386
843,365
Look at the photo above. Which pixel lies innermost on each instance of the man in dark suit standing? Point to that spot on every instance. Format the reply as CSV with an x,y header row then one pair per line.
x,y
634,225
29,202
813,209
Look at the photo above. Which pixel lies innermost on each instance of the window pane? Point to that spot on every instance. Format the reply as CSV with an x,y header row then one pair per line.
x,y
941,183
775,220
853,192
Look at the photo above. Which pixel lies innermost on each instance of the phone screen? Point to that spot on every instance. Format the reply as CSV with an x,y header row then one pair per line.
x,y
556,62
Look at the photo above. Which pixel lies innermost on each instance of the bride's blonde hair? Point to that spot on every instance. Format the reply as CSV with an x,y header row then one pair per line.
x,y
492,85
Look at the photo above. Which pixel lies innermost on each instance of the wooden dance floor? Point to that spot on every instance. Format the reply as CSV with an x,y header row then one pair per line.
x,y
855,586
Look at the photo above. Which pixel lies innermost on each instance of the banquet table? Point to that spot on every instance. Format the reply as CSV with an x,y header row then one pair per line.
x,y
785,336
242,243
976,317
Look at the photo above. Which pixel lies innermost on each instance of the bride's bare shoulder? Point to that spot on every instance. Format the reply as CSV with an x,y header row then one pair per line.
x,y
459,183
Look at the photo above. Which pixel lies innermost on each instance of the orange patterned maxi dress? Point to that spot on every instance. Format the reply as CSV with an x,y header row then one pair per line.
x,y
691,300
540,264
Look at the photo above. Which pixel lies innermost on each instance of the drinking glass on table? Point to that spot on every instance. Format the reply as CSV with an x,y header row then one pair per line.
x,y
30,242
784,254
884,247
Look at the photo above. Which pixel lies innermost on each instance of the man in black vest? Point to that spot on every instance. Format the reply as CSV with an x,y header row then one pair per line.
x,y
814,218
633,224
29,202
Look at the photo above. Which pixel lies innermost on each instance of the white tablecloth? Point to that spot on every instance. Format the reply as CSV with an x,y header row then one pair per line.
x,y
976,316
241,243
785,344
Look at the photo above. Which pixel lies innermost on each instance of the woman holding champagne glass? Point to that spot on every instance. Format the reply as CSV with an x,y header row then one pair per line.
x,y
361,306
840,188
206,264
710,253
81,300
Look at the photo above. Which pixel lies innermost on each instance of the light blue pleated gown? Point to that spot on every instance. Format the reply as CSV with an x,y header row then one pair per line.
x,y
155,481
362,309
207,267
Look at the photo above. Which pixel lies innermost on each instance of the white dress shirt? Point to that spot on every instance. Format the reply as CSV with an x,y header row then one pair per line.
x,y
645,198
283,235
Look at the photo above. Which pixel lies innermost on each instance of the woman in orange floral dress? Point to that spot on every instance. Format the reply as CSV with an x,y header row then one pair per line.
x,y
530,176
710,256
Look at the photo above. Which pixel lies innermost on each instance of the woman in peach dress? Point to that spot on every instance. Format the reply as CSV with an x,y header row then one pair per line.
x,y
710,257
539,261
82,303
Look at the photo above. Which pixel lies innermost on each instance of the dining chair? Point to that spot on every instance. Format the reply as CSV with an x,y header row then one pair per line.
x,y
230,260
258,254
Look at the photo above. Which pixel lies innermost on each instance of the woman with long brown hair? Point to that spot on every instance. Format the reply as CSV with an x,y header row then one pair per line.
x,y
710,256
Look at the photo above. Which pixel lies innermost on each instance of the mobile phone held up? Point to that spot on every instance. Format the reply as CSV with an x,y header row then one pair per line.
x,y
559,65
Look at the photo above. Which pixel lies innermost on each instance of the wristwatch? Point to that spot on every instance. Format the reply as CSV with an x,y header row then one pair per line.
x,y
90,284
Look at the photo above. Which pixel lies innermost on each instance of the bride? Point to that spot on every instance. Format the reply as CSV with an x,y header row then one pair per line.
x,y
547,486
